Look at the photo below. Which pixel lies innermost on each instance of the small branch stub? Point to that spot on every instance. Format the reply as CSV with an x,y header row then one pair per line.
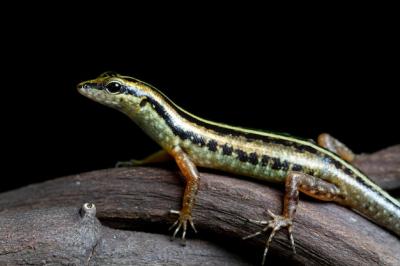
x,y
88,210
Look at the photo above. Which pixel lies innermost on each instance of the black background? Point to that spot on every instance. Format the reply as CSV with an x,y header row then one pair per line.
x,y
302,76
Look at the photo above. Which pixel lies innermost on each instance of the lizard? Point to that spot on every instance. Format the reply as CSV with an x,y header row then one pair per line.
x,y
322,170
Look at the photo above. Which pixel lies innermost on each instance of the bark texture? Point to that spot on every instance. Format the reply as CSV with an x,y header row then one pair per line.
x,y
47,223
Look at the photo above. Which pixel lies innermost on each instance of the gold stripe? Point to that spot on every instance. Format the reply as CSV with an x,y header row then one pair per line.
x,y
277,136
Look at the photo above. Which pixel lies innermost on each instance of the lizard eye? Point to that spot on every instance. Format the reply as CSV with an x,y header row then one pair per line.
x,y
113,87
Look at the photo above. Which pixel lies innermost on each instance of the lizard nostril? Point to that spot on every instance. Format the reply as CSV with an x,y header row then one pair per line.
x,y
81,86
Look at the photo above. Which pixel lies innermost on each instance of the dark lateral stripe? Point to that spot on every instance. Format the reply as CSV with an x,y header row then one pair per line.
x,y
227,150
348,171
183,134
253,158
285,166
305,148
143,102
198,140
278,164
297,167
243,156
212,145
228,131
265,160
342,167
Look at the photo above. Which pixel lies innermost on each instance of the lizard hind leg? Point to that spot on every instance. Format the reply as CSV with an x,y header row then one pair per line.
x,y
295,182
275,225
330,143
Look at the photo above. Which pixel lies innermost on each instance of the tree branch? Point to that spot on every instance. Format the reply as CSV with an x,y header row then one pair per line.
x,y
383,167
41,222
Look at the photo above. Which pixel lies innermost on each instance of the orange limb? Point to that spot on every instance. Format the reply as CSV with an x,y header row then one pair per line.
x,y
192,178
330,143
295,182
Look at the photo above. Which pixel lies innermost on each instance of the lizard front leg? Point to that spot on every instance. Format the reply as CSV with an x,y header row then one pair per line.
x,y
192,178
295,182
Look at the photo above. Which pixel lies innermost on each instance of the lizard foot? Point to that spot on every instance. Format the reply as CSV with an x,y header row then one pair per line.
x,y
181,222
277,223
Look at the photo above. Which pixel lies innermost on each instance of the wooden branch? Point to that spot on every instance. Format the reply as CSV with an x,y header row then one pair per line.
x,y
383,167
41,223
70,236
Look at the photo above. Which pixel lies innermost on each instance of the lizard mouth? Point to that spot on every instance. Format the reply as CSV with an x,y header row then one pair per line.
x,y
93,92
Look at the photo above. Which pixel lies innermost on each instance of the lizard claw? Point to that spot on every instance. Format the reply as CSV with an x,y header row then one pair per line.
x,y
277,223
181,222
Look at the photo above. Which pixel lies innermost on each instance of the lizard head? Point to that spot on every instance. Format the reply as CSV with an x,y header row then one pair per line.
x,y
123,93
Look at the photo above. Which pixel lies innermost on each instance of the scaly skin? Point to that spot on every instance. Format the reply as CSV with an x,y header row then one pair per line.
x,y
192,141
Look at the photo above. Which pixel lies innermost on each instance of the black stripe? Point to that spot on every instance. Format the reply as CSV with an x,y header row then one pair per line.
x,y
342,167
297,167
241,154
143,102
285,165
253,158
212,145
265,160
227,150
277,164
227,131
198,140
